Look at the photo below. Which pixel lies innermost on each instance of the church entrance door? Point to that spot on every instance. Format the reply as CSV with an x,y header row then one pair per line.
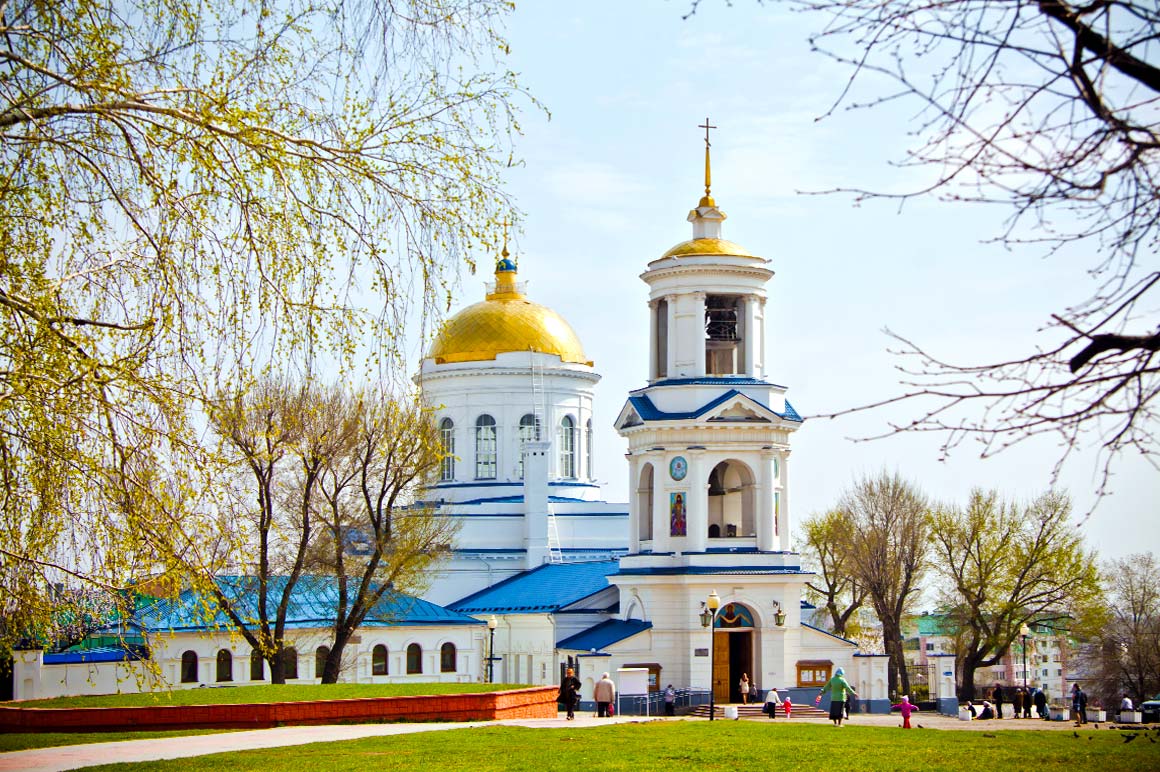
x,y
732,656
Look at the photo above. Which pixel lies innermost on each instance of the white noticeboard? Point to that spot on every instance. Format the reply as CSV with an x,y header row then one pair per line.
x,y
631,682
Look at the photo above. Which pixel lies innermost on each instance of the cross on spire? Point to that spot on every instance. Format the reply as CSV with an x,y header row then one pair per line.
x,y
707,200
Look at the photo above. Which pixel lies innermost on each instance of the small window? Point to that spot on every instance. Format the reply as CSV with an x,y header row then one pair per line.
x,y
447,439
414,659
567,447
257,666
447,658
189,667
379,660
486,448
225,666
290,663
320,656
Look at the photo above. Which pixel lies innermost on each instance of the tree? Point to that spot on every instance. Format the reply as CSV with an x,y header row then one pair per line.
x,y
1047,107
885,549
1123,652
836,588
192,193
376,538
1007,565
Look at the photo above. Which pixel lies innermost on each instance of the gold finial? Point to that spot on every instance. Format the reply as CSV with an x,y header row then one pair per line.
x,y
504,253
707,199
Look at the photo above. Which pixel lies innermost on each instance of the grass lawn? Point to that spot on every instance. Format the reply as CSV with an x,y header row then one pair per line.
x,y
259,694
23,742
726,746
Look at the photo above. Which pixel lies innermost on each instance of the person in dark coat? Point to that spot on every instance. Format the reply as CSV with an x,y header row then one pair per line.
x,y
1080,703
1017,701
997,696
569,692
1027,695
1041,704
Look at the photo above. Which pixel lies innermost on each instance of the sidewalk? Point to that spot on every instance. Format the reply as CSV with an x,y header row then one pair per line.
x,y
78,756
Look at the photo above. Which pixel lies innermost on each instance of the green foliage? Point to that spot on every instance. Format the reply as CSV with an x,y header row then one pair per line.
x,y
721,745
1007,565
191,195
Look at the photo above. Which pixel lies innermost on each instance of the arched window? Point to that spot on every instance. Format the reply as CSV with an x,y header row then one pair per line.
x,y
289,662
257,666
486,448
225,666
567,447
447,658
447,439
379,660
414,658
529,431
588,450
644,504
189,667
320,655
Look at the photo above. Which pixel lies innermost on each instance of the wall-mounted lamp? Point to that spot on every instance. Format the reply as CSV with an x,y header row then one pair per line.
x,y
779,615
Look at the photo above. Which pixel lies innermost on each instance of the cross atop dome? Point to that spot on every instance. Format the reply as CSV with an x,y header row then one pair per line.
x,y
707,199
707,218
505,264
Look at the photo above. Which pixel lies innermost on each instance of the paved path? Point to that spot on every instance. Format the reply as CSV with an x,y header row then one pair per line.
x,y
78,756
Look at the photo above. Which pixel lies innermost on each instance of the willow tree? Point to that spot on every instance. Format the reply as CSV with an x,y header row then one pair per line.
x,y
1006,565
189,193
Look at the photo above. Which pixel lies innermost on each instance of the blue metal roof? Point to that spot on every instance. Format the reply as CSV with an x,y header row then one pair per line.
x,y
312,604
604,634
647,411
544,589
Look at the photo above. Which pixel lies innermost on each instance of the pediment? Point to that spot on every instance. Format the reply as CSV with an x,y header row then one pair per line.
x,y
628,417
740,409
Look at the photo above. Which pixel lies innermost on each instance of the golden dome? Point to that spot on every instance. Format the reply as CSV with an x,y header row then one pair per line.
x,y
506,321
707,247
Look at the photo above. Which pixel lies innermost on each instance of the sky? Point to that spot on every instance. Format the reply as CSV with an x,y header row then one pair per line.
x,y
609,177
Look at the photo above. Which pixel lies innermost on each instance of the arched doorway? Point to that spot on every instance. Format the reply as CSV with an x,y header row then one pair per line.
x,y
733,646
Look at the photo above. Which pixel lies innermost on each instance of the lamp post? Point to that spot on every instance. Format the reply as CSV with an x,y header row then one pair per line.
x,y
779,615
1025,631
709,619
492,623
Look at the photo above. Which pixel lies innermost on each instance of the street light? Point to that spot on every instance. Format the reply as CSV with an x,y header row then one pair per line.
x,y
1025,631
779,615
492,623
709,619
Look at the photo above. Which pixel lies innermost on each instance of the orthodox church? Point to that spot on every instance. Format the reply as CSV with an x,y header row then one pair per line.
x,y
564,577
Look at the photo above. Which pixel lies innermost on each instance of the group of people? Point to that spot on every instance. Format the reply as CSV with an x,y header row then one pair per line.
x,y
1021,699
603,693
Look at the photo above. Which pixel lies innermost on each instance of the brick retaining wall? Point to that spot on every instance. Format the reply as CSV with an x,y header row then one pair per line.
x,y
539,702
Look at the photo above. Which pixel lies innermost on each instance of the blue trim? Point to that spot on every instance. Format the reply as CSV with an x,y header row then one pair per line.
x,y
647,411
702,570
739,380
832,635
492,483
96,655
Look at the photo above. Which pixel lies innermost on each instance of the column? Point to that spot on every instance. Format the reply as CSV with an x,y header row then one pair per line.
x,y
662,542
697,504
783,515
766,529
750,333
653,350
697,335
634,513
671,336
759,352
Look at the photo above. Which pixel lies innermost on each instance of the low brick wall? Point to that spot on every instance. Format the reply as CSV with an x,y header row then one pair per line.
x,y
539,702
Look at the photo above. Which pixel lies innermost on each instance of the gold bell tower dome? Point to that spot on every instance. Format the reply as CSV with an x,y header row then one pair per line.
x,y
506,321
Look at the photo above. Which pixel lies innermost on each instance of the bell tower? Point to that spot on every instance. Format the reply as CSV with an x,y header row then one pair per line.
x,y
709,447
